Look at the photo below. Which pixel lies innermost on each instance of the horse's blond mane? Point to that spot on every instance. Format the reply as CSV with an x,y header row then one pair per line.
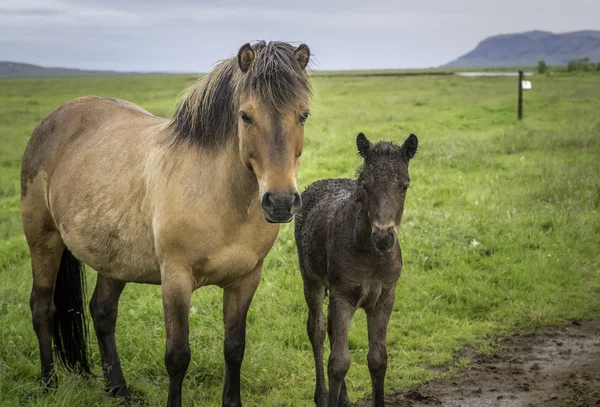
x,y
207,112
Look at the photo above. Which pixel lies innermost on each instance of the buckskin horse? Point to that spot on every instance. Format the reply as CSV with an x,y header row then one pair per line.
x,y
187,202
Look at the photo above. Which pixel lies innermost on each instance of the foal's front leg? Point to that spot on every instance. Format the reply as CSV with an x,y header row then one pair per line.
x,y
314,293
338,325
377,323
177,290
236,301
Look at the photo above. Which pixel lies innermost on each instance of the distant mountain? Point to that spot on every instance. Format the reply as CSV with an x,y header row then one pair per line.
x,y
18,70
526,49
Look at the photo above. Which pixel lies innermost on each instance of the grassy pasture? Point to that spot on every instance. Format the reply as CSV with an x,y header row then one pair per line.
x,y
501,230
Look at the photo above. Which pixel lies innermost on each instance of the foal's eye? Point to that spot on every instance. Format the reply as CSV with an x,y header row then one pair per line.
x,y
245,118
404,188
304,117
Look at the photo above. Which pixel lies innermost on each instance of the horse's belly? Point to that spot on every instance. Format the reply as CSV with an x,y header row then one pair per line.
x,y
122,252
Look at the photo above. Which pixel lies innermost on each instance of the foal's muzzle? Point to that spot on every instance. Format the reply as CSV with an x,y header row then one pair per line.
x,y
280,208
383,239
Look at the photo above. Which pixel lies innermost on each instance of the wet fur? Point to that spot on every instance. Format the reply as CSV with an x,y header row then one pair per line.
x,y
333,232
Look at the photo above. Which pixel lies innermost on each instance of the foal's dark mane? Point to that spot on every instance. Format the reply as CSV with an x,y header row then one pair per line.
x,y
381,150
207,113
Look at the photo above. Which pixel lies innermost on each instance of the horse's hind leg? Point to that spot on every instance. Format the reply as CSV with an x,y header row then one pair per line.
x,y
104,308
46,250
314,293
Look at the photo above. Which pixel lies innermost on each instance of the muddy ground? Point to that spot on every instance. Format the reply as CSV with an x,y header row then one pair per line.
x,y
551,367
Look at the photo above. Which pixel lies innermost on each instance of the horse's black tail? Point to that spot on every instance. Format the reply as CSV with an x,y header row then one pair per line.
x,y
70,324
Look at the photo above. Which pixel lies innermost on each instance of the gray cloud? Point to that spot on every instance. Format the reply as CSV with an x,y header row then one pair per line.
x,y
187,35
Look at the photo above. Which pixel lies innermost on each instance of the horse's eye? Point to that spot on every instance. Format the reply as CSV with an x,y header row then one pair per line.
x,y
365,188
404,188
303,117
245,118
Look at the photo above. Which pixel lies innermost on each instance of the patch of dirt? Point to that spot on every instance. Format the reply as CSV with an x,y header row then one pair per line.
x,y
551,367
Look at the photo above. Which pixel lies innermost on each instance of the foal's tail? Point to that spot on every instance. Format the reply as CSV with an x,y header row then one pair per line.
x,y
70,325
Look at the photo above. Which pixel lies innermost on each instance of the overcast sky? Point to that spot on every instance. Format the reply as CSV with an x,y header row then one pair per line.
x,y
190,36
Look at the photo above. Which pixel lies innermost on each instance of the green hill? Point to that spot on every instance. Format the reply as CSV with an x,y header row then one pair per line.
x,y
523,49
19,70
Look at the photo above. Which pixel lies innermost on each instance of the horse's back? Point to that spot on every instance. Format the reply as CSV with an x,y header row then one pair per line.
x,y
82,173
62,130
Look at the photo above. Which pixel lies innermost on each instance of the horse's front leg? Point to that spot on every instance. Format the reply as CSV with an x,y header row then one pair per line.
x,y
377,322
236,301
177,290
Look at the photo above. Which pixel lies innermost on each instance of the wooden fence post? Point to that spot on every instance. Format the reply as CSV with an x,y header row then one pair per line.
x,y
520,113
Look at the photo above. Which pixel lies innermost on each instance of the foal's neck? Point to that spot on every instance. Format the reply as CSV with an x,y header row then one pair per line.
x,y
361,234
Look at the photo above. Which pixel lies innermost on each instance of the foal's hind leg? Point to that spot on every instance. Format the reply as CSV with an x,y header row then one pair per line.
x,y
103,308
314,293
46,252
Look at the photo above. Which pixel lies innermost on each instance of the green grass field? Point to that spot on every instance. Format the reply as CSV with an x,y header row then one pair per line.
x,y
501,231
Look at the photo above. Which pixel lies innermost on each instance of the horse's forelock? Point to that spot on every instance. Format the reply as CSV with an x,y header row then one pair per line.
x,y
207,112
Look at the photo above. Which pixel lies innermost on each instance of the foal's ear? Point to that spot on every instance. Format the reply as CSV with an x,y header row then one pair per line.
x,y
363,144
409,148
245,57
302,55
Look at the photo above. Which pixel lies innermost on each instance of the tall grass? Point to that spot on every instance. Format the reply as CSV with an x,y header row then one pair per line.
x,y
501,230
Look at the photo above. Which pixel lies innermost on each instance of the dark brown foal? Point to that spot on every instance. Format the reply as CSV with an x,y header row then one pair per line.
x,y
347,244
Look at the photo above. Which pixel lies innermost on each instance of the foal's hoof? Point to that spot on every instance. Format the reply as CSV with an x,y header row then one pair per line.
x,y
50,382
121,393
344,402
321,399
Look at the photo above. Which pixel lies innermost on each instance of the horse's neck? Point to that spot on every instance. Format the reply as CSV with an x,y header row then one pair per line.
x,y
237,182
216,174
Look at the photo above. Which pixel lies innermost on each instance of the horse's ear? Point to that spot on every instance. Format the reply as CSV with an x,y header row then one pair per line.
x,y
363,144
245,57
302,54
409,148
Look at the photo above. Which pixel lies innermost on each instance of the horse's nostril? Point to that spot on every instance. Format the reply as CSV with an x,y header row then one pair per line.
x,y
268,202
297,204
281,203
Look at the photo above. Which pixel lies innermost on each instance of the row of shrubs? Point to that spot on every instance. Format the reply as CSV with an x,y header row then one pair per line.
x,y
577,65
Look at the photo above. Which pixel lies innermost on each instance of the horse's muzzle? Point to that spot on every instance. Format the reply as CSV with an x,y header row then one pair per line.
x,y
280,208
383,239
